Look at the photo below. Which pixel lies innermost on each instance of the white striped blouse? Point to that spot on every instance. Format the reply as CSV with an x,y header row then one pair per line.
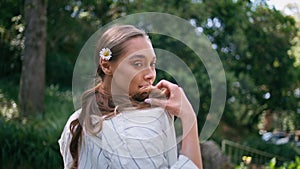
x,y
136,139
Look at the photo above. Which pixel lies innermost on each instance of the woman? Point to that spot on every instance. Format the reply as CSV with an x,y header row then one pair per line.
x,y
125,122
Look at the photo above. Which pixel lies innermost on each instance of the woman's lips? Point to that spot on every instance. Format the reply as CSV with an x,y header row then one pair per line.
x,y
146,86
147,91
142,93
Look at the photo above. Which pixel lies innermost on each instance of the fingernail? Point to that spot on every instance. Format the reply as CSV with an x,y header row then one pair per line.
x,y
147,101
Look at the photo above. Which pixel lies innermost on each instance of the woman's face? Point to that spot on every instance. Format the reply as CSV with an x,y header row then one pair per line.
x,y
135,69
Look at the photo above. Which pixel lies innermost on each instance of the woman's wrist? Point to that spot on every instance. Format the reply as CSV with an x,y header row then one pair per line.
x,y
190,142
187,112
188,118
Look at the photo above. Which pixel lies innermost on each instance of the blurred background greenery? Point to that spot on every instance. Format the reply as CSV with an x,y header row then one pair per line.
x,y
258,45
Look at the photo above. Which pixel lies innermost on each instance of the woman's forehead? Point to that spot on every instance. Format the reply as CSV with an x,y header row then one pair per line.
x,y
139,42
139,47
142,55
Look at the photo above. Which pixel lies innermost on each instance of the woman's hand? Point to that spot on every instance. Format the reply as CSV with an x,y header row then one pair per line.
x,y
176,103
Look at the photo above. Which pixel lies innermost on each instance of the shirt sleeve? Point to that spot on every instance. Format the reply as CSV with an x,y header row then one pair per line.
x,y
64,142
184,162
140,142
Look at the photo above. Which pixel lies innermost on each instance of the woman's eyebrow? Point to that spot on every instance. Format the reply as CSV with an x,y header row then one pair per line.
x,y
137,57
141,56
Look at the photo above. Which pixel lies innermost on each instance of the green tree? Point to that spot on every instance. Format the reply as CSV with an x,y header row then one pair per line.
x,y
253,41
273,33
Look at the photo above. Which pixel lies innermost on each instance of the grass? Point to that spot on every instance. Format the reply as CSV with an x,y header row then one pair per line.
x,y
32,143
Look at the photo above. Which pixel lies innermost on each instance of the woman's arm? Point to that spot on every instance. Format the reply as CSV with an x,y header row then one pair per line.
x,y
178,105
190,143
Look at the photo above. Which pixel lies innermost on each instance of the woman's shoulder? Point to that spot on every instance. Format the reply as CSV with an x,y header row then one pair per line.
x,y
152,112
71,118
143,116
138,130
141,123
75,115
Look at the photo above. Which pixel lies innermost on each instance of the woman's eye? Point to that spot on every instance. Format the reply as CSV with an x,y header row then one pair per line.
x,y
153,65
138,64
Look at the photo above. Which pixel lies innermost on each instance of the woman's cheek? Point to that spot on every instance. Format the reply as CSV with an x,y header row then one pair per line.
x,y
127,81
134,85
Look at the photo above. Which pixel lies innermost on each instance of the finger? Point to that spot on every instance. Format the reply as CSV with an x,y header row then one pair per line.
x,y
163,84
159,93
156,102
165,92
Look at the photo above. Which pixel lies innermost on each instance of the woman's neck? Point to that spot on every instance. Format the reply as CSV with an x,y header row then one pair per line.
x,y
105,86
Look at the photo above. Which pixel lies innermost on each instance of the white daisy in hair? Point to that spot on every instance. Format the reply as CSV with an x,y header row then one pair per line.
x,y
105,54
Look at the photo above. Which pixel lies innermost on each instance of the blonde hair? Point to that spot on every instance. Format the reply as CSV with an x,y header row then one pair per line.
x,y
113,38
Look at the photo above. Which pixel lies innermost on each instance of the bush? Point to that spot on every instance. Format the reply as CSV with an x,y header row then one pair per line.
x,y
32,143
286,150
28,145
273,165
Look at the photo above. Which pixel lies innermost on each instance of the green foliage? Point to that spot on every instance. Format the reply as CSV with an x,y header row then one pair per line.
x,y
286,150
32,143
11,37
28,145
252,40
67,31
273,164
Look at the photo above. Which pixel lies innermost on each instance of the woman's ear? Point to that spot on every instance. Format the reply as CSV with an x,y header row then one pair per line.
x,y
106,67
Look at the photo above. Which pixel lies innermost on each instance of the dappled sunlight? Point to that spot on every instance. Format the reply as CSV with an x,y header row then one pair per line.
x,y
8,107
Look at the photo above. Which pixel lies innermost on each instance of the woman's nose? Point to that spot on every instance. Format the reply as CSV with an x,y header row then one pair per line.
x,y
150,74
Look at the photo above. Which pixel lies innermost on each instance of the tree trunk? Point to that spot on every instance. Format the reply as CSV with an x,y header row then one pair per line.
x,y
32,83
